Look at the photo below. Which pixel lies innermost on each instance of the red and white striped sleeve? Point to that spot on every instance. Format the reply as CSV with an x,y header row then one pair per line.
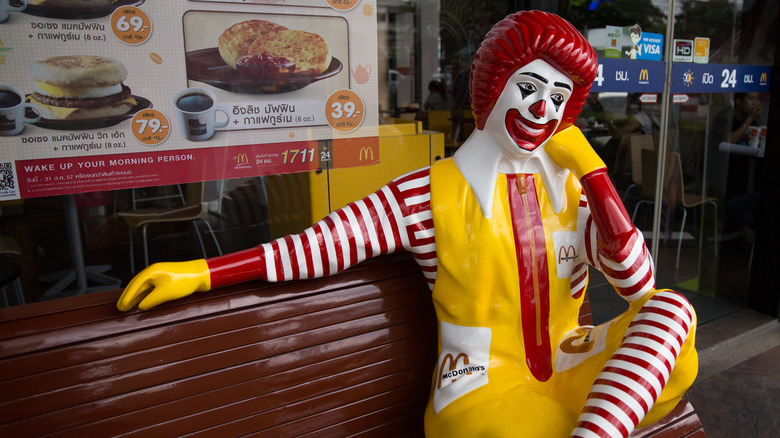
x,y
414,193
396,217
615,246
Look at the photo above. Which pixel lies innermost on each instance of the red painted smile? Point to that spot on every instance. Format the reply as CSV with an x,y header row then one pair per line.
x,y
527,134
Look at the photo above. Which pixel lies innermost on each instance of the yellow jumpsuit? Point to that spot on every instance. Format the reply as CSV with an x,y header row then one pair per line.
x,y
503,369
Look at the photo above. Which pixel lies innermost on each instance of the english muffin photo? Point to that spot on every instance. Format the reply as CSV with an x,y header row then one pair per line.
x,y
307,51
75,87
235,41
265,55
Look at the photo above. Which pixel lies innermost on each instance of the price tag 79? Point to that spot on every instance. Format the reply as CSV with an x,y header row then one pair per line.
x,y
150,127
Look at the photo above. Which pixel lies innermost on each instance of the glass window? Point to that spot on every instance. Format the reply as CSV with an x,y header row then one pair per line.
x,y
712,143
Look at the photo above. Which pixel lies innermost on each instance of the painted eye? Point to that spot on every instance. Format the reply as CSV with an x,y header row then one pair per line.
x,y
557,100
526,89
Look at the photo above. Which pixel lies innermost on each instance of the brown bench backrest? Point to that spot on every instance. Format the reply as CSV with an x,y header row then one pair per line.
x,y
349,354
320,355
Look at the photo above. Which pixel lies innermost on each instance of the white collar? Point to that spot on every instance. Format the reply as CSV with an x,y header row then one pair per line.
x,y
479,160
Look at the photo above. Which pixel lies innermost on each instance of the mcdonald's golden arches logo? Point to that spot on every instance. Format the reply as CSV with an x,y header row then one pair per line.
x,y
566,253
579,342
453,366
644,75
763,79
365,152
242,158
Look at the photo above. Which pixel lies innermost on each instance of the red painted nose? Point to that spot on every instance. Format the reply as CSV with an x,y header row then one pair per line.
x,y
538,109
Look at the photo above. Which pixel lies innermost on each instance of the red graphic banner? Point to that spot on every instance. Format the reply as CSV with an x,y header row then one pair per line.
x,y
59,176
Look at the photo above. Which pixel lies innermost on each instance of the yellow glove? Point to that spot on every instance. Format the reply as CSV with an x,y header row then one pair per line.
x,y
162,282
571,150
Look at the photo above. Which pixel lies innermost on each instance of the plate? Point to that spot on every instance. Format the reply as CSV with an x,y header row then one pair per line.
x,y
75,13
97,123
207,66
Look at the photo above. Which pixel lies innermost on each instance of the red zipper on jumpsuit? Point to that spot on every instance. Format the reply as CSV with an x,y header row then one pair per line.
x,y
531,251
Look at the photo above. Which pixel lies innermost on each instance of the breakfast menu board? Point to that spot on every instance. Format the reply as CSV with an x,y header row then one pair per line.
x,y
114,94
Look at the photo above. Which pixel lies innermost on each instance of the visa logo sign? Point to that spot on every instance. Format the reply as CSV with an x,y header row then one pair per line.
x,y
651,49
650,46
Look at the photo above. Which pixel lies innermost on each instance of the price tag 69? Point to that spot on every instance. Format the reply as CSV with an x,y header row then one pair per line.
x,y
131,25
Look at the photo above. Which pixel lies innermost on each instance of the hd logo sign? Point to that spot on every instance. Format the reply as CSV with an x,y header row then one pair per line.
x,y
683,51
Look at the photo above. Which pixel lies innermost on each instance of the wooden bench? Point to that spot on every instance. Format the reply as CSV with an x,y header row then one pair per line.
x,y
351,354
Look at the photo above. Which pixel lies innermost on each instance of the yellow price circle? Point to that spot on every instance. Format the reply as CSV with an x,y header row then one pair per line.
x,y
344,110
131,25
342,5
150,127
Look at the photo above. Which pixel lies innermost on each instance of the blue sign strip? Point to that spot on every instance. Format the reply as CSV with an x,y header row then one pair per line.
x,y
720,78
640,76
634,76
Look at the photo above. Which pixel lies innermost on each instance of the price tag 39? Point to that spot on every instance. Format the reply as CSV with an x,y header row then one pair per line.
x,y
344,110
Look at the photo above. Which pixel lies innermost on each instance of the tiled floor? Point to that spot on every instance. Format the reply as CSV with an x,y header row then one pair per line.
x,y
741,401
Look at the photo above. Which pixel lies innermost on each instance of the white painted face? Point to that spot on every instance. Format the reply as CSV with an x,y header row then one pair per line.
x,y
529,108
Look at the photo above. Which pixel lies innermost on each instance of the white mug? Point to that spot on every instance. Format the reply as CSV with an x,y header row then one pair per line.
x,y
196,113
12,111
5,6
754,136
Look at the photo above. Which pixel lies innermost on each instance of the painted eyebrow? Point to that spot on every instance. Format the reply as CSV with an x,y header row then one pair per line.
x,y
536,76
543,79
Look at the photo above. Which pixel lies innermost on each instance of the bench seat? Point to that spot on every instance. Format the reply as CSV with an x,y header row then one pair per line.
x,y
348,355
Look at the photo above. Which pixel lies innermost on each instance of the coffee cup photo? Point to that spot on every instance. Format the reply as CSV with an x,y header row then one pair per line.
x,y
5,7
196,113
12,111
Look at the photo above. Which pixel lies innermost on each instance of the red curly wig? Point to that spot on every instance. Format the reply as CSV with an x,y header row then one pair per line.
x,y
521,38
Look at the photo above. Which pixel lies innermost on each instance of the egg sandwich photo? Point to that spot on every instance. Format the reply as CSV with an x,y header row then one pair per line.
x,y
77,87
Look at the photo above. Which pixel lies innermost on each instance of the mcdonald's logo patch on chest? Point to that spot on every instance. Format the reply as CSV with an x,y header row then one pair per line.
x,y
567,246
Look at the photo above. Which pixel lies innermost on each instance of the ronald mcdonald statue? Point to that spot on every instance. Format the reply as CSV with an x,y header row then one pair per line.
x,y
504,232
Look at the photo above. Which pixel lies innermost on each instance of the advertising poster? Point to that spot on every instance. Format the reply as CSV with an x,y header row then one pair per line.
x,y
645,45
614,42
113,94
652,46
701,51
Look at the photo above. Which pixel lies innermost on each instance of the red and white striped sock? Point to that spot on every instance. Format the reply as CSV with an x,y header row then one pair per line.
x,y
633,378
